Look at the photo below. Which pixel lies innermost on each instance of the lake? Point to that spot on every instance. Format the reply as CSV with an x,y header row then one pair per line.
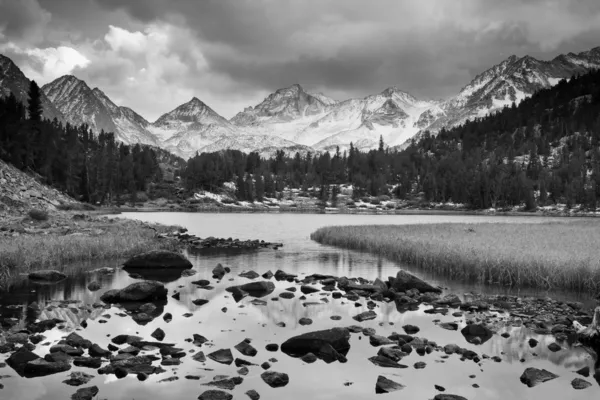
x,y
226,323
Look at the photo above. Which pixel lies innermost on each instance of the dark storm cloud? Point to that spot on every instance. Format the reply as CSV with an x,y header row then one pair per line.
x,y
22,20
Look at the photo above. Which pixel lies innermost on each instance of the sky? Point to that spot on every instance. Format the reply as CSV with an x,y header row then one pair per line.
x,y
154,55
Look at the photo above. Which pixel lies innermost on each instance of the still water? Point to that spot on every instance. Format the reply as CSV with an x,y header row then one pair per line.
x,y
225,323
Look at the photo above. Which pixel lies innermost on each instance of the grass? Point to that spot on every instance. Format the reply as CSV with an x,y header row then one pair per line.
x,y
561,255
91,240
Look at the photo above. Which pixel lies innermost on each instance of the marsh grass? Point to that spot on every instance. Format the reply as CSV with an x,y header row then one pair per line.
x,y
563,255
91,241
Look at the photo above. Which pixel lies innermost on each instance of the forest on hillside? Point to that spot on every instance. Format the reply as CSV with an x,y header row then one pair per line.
x,y
91,167
543,151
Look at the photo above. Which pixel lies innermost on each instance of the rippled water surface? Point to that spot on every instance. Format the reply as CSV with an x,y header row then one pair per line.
x,y
225,323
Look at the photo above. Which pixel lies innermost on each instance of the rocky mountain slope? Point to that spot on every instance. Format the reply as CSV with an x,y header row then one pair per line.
x,y
19,192
13,80
82,105
293,119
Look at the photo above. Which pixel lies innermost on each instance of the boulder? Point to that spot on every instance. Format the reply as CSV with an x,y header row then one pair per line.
x,y
41,367
580,384
157,259
384,385
249,274
253,394
443,396
219,271
215,395
19,359
308,289
383,361
94,286
405,281
139,291
226,383
365,316
275,379
376,340
329,345
476,333
258,289
222,356
246,348
158,334
533,376
411,329
47,275
78,379
87,393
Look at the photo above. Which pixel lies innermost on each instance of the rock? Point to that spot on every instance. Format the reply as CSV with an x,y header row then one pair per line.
x,y
199,340
246,349
365,316
532,342
391,353
272,347
443,396
309,358
305,321
405,281
283,276
19,359
249,275
222,356
94,286
228,383
448,300
237,293
158,334
308,289
47,275
267,275
75,340
275,379
287,295
219,271
411,329
168,317
199,356
265,365
253,394
122,339
41,367
200,302
384,385
157,259
96,351
554,347
87,362
78,378
385,362
580,384
420,365
87,393
476,333
376,340
585,371
215,395
451,326
533,376
329,345
139,291
257,289
20,337
243,371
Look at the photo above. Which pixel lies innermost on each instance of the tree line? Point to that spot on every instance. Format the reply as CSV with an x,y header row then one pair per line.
x,y
90,167
543,151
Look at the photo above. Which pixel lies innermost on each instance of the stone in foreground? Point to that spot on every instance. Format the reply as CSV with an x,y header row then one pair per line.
x,y
215,395
405,281
139,291
443,396
47,275
87,393
275,379
329,345
158,259
365,316
533,376
222,356
580,384
385,385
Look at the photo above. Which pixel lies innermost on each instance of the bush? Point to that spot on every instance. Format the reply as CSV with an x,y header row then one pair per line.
x,y
38,215
142,197
384,197
375,201
350,203
389,205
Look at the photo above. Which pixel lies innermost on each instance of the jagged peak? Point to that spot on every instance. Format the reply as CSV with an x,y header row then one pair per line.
x,y
295,88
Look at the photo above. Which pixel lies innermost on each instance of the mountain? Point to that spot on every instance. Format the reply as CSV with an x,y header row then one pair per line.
x,y
13,80
82,105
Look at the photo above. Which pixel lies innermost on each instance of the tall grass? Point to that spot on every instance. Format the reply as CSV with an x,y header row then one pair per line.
x,y
541,255
91,241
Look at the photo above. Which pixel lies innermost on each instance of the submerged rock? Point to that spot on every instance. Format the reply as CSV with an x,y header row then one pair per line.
x,y
227,383
249,274
158,259
47,275
41,367
19,359
385,362
443,396
78,378
533,376
246,348
329,345
87,393
385,385
476,333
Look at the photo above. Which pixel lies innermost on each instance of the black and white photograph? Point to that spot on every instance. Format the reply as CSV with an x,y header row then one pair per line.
x,y
299,199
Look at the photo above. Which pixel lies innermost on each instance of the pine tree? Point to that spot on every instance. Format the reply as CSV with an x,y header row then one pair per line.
x,y
34,106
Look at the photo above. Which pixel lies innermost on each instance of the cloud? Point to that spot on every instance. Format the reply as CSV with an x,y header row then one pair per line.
x,y
22,21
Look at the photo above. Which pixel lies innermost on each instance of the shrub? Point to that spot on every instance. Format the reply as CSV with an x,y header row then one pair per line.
x,y
389,205
384,197
38,215
375,201
142,197
350,203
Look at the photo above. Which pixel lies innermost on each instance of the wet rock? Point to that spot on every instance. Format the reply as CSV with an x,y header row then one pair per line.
x,y
96,351
122,339
411,329
476,333
309,358
405,281
284,276
391,353
249,275
287,295
376,340
253,394
222,356
440,388
58,356
265,365
451,326
329,345
308,289
365,316
193,377
443,396
78,379
246,348
585,371
201,282
200,302
533,376
228,384
305,321
215,395
20,337
139,291
219,271
85,393
275,379
272,347
41,367
240,362
385,362
267,275
257,289
199,340
420,365
168,317
532,342
19,359
76,340
157,259
385,385
158,334
94,286
87,362
554,347
237,293
448,300
580,384
243,371
199,356
47,275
